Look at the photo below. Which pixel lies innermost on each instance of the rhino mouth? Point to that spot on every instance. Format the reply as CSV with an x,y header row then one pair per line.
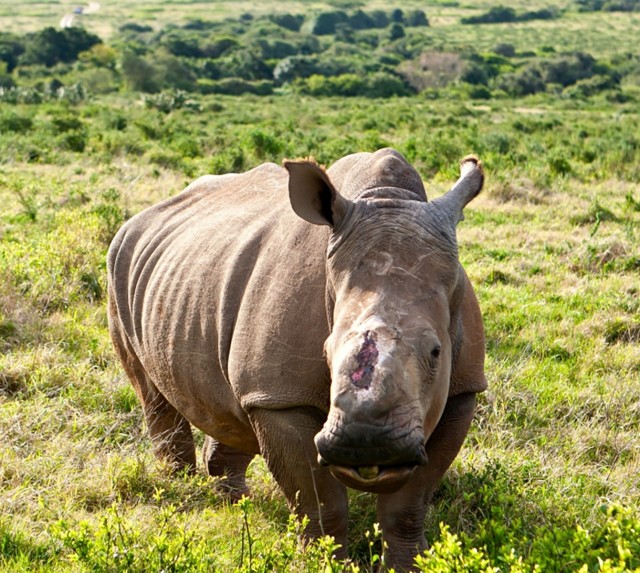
x,y
375,479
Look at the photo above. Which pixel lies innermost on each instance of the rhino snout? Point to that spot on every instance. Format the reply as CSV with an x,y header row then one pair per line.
x,y
377,468
360,445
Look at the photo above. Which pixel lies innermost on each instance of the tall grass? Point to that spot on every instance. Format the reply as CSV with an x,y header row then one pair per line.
x,y
547,480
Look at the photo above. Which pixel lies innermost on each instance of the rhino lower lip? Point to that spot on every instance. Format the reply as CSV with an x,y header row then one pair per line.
x,y
376,479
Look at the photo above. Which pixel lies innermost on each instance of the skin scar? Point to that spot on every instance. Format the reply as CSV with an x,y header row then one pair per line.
x,y
367,359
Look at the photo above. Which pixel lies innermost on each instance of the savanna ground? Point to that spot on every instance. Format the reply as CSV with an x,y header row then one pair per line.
x,y
548,477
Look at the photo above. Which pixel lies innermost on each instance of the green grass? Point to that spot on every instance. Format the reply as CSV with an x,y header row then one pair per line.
x,y
551,462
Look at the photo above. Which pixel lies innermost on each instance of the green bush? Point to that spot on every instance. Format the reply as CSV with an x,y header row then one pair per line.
x,y
415,18
73,141
288,21
11,47
325,23
235,86
526,82
608,5
138,73
503,14
50,46
381,84
495,15
396,31
168,101
264,144
218,47
13,122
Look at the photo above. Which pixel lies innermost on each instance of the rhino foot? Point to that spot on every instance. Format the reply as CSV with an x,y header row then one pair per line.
x,y
228,463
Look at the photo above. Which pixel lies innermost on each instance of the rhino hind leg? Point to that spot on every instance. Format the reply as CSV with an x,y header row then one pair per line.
x,y
401,514
170,432
221,460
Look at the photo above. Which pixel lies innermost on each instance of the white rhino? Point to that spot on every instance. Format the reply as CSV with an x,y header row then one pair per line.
x,y
348,351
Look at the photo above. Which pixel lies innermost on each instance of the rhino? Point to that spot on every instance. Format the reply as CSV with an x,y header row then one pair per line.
x,y
320,318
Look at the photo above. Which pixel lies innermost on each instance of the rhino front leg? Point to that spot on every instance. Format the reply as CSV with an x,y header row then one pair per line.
x,y
401,514
222,460
286,442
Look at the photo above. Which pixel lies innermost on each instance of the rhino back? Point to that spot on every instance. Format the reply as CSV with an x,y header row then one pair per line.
x,y
220,291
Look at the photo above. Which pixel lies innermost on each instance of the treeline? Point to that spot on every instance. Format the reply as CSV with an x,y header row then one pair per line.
x,y
335,53
608,5
504,14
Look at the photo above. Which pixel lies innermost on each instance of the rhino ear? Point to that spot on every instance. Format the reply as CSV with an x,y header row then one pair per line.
x,y
465,188
312,195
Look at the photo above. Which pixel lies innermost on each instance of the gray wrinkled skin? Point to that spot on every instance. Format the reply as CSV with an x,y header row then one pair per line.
x,y
320,318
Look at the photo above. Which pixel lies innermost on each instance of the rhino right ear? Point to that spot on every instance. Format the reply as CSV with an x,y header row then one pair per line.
x,y
312,195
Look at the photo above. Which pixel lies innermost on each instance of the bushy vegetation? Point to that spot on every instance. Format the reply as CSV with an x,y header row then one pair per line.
x,y
329,53
608,5
547,479
503,14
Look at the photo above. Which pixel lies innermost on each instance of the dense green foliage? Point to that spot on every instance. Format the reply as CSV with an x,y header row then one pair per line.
x,y
502,14
334,52
547,479
609,5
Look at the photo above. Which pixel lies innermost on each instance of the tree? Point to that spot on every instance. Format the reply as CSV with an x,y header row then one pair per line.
x,y
325,22
416,18
288,21
495,15
10,50
360,20
397,15
396,31
138,73
50,46
180,44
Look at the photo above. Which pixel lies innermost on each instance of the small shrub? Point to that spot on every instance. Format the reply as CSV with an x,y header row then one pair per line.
x,y
236,86
15,123
288,21
230,160
166,159
168,101
506,50
264,144
495,15
415,18
396,31
73,141
111,213
63,124
325,23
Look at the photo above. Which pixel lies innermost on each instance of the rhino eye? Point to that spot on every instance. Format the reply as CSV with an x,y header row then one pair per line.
x,y
435,352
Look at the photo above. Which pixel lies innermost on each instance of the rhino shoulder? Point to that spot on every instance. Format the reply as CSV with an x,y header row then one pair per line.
x,y
468,344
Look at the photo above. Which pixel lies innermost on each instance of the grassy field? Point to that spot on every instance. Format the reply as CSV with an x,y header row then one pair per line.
x,y
548,477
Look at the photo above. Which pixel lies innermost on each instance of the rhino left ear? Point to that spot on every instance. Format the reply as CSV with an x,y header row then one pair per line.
x,y
465,188
312,195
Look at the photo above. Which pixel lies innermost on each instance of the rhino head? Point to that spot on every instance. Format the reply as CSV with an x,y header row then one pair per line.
x,y
394,288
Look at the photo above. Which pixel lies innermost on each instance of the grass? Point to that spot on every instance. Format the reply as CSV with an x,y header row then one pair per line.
x,y
552,454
